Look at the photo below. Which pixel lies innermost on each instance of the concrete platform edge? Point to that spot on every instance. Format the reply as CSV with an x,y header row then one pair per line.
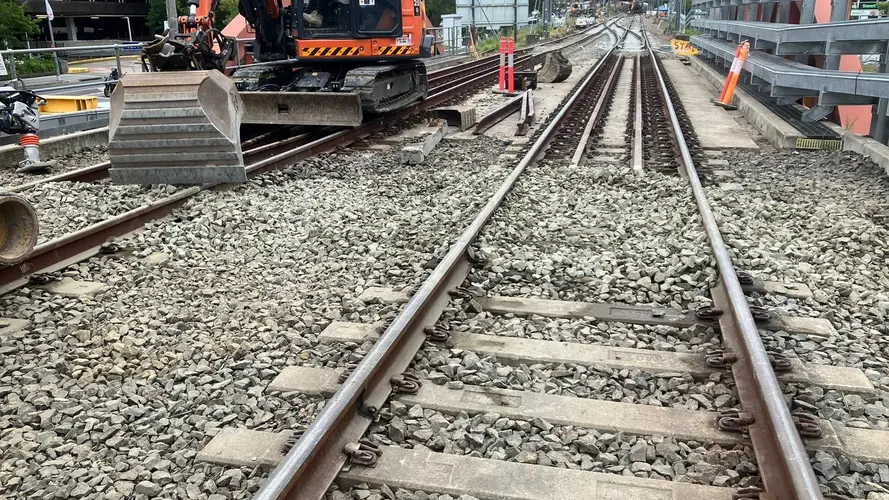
x,y
778,132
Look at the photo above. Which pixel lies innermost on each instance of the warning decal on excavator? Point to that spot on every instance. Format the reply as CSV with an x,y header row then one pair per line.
x,y
329,51
394,51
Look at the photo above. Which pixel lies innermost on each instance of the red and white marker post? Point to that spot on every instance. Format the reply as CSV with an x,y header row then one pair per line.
x,y
731,81
511,78
502,63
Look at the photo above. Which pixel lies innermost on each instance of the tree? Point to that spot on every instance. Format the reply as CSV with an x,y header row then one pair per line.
x,y
226,11
157,13
15,25
883,7
435,9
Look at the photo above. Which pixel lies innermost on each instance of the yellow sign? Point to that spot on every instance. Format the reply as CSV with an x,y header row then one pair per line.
x,y
683,48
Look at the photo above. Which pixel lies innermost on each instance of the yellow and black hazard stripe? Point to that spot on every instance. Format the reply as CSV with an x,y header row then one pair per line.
x,y
329,51
393,50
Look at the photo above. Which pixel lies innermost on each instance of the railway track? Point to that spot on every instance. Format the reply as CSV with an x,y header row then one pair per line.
x,y
538,359
263,153
436,402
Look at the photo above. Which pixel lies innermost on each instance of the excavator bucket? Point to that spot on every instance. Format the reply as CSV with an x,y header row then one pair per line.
x,y
179,127
327,109
556,68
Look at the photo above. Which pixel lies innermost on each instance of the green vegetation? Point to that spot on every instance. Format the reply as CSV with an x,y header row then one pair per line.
x,y
227,11
435,9
883,7
490,42
34,65
15,25
157,13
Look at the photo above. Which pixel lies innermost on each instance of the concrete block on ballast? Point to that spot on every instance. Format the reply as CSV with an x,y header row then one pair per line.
x,y
68,287
462,117
415,154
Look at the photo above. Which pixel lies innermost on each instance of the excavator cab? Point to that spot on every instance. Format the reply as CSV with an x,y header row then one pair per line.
x,y
352,58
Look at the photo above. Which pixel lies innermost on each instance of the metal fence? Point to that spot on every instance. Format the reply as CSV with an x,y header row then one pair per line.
x,y
457,40
114,50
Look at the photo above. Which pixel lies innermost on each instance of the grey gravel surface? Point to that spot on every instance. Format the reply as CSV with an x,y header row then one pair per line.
x,y
365,492
815,218
490,435
659,338
678,390
854,410
105,395
851,478
65,207
67,163
598,234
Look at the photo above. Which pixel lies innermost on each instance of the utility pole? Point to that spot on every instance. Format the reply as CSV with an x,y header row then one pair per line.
x,y
677,7
515,20
52,41
172,16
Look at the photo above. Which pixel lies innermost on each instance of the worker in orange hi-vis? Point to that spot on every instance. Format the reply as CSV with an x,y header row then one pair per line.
x,y
728,90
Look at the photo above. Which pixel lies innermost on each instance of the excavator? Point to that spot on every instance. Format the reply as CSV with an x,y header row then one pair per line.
x,y
316,63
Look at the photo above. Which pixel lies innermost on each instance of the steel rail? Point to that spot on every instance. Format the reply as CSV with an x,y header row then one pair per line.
x,y
793,477
638,159
88,241
498,114
442,77
343,407
596,115
85,174
100,170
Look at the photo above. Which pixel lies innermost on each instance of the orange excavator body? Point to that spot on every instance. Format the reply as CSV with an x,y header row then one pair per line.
x,y
406,45
179,121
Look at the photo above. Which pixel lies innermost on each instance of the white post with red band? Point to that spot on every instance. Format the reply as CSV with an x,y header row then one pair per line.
x,y
511,78
502,63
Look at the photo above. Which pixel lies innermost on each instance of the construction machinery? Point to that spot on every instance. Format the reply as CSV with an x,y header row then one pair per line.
x,y
19,114
320,63
18,221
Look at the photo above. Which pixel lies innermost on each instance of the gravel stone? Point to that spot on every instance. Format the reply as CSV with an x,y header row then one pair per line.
x,y
63,208
148,488
66,163
542,443
136,379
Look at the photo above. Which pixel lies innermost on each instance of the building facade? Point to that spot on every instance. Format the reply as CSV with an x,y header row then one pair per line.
x,y
85,20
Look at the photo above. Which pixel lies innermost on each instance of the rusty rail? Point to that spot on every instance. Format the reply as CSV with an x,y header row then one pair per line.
x,y
312,464
86,242
782,461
